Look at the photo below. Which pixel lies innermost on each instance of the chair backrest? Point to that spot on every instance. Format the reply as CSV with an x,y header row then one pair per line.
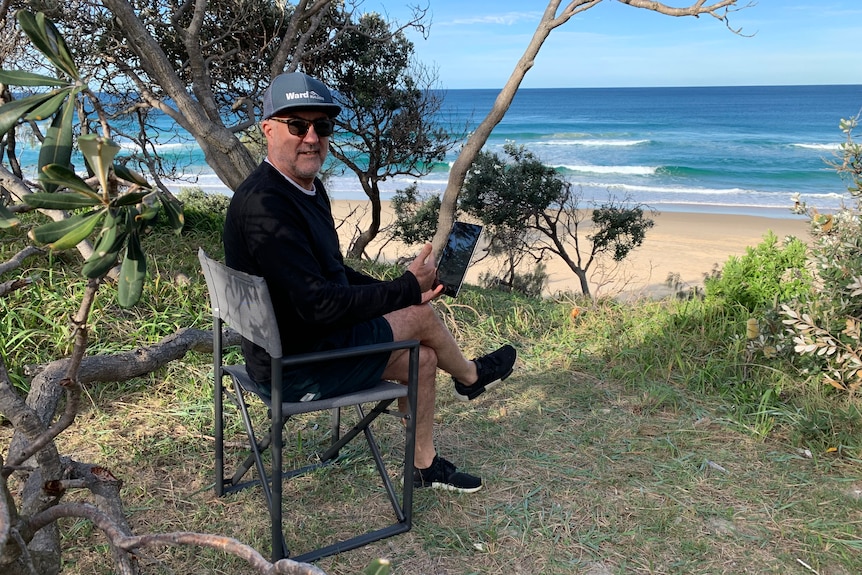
x,y
242,301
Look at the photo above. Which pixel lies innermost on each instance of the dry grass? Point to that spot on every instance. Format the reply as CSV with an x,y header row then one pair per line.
x,y
582,476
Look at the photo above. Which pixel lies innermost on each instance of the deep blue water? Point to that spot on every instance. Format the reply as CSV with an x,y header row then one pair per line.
x,y
726,149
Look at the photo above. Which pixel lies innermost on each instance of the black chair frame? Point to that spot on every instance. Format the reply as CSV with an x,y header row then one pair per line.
x,y
242,302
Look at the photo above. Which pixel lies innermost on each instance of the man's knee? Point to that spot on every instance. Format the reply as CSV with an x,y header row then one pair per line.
x,y
413,322
427,361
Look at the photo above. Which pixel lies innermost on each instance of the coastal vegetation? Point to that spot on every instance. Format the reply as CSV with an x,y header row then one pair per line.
x,y
530,213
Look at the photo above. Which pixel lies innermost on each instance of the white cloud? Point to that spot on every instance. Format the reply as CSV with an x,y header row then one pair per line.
x,y
504,19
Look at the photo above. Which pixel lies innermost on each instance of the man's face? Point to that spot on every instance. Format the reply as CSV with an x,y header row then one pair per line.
x,y
301,156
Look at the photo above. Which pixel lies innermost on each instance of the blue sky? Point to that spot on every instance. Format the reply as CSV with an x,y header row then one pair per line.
x,y
476,44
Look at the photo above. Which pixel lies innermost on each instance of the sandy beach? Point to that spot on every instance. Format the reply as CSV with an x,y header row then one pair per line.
x,y
687,244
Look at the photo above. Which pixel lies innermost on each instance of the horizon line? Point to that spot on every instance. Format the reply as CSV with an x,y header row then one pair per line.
x,y
849,85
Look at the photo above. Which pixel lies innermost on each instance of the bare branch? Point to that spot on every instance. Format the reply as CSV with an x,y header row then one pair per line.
x,y
718,10
129,543
15,261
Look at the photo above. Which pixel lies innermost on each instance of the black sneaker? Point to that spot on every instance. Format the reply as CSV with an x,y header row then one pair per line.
x,y
492,369
444,475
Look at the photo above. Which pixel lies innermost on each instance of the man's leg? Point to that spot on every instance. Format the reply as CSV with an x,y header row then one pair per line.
x,y
438,349
431,470
422,323
398,370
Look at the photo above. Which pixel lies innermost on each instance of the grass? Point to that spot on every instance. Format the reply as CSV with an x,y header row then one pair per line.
x,y
637,438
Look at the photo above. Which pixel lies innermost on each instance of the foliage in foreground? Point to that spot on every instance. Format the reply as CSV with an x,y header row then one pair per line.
x,y
827,329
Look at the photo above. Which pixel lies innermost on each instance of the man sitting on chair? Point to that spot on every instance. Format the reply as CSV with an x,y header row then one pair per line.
x,y
279,226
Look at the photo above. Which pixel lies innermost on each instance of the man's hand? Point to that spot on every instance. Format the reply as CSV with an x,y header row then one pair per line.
x,y
425,269
433,293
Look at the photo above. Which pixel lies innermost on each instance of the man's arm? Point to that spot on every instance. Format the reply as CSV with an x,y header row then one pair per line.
x,y
304,269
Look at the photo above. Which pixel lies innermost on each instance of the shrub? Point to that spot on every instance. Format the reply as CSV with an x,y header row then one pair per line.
x,y
770,273
827,329
415,216
530,284
202,211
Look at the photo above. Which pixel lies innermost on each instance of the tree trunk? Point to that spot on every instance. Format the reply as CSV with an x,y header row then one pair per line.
x,y
224,153
368,235
480,136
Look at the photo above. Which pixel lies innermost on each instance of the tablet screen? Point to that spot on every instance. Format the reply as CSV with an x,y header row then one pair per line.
x,y
456,256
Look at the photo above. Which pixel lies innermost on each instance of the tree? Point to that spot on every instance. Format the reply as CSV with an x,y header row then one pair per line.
x,y
203,65
388,105
529,209
719,9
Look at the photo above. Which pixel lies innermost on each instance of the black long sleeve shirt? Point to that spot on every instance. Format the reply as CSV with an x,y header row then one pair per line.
x,y
288,237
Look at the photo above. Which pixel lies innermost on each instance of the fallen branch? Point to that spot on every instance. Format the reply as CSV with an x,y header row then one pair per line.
x,y
130,543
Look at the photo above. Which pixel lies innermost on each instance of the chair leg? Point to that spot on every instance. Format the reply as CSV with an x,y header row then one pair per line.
x,y
254,445
218,409
381,469
363,423
335,417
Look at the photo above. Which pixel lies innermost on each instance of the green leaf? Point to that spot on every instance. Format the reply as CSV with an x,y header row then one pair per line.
x,y
130,199
7,218
63,176
22,78
174,211
100,153
149,213
379,566
69,232
132,273
49,106
62,57
110,242
47,39
37,36
61,201
57,147
132,176
12,111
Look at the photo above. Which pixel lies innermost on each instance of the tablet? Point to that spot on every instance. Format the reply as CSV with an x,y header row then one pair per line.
x,y
456,256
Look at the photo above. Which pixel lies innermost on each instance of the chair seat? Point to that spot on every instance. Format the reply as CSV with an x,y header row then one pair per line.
x,y
381,391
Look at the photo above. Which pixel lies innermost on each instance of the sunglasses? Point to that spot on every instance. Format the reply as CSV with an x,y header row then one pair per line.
x,y
323,127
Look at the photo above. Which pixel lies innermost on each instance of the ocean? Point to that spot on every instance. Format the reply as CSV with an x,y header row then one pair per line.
x,y
738,150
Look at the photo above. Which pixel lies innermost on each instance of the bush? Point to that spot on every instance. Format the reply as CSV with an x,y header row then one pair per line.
x,y
203,212
530,284
768,274
415,216
828,330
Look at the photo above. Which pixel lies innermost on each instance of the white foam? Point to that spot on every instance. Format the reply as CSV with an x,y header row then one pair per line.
x,y
627,170
829,147
591,142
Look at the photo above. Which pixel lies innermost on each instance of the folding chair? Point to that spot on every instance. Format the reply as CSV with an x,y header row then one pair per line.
x,y
243,302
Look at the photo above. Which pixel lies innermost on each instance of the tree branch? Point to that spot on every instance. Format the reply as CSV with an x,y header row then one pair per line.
x,y
130,543
718,10
15,261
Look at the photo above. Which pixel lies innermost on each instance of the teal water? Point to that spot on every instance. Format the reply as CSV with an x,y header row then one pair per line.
x,y
727,149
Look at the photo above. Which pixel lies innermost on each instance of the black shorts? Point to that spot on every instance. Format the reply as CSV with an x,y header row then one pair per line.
x,y
331,378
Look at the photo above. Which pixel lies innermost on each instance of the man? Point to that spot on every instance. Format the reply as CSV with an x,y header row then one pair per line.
x,y
279,226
